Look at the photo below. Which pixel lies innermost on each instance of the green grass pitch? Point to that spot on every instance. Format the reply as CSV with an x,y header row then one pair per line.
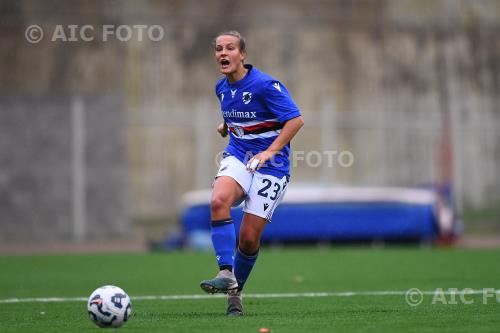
x,y
278,271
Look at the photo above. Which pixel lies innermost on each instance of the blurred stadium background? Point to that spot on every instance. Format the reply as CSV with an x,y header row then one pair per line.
x,y
101,139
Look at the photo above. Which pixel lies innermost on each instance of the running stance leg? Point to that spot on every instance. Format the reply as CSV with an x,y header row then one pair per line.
x,y
226,191
246,256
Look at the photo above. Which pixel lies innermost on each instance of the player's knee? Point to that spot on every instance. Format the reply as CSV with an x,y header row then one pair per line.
x,y
219,203
248,242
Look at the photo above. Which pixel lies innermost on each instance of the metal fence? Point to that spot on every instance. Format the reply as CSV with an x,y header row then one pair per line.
x,y
372,148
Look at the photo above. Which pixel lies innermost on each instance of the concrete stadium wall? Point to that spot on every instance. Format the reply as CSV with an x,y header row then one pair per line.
x,y
37,180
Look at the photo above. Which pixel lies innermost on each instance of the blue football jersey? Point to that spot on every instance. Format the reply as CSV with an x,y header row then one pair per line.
x,y
255,109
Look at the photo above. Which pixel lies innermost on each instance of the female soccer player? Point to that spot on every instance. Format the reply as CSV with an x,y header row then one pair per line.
x,y
261,119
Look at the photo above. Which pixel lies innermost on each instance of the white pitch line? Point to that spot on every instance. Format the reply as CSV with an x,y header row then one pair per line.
x,y
205,296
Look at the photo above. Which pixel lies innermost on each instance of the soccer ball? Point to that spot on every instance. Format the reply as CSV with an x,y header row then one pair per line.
x,y
109,306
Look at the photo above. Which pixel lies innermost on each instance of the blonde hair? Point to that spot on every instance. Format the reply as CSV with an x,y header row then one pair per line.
x,y
241,39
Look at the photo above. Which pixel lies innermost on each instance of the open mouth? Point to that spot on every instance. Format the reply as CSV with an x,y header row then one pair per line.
x,y
224,63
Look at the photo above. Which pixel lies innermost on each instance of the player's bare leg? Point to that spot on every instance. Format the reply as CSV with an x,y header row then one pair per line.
x,y
248,249
251,229
226,191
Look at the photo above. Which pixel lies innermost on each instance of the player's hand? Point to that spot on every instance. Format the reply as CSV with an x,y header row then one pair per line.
x,y
258,160
222,129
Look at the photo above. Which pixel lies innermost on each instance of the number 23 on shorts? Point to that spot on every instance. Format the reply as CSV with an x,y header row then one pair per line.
x,y
266,192
270,189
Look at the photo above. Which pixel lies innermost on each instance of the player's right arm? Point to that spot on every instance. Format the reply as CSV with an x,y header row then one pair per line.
x,y
222,129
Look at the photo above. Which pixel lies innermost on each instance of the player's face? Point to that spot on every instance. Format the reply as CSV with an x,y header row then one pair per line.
x,y
228,54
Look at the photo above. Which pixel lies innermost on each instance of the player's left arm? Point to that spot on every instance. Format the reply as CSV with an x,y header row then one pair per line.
x,y
290,128
278,101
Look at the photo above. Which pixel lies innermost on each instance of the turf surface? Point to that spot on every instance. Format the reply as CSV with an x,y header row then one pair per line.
x,y
295,270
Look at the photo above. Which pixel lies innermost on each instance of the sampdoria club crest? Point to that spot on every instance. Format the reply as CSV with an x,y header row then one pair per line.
x,y
247,97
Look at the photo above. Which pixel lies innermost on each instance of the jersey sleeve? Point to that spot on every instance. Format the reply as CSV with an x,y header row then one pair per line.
x,y
279,102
